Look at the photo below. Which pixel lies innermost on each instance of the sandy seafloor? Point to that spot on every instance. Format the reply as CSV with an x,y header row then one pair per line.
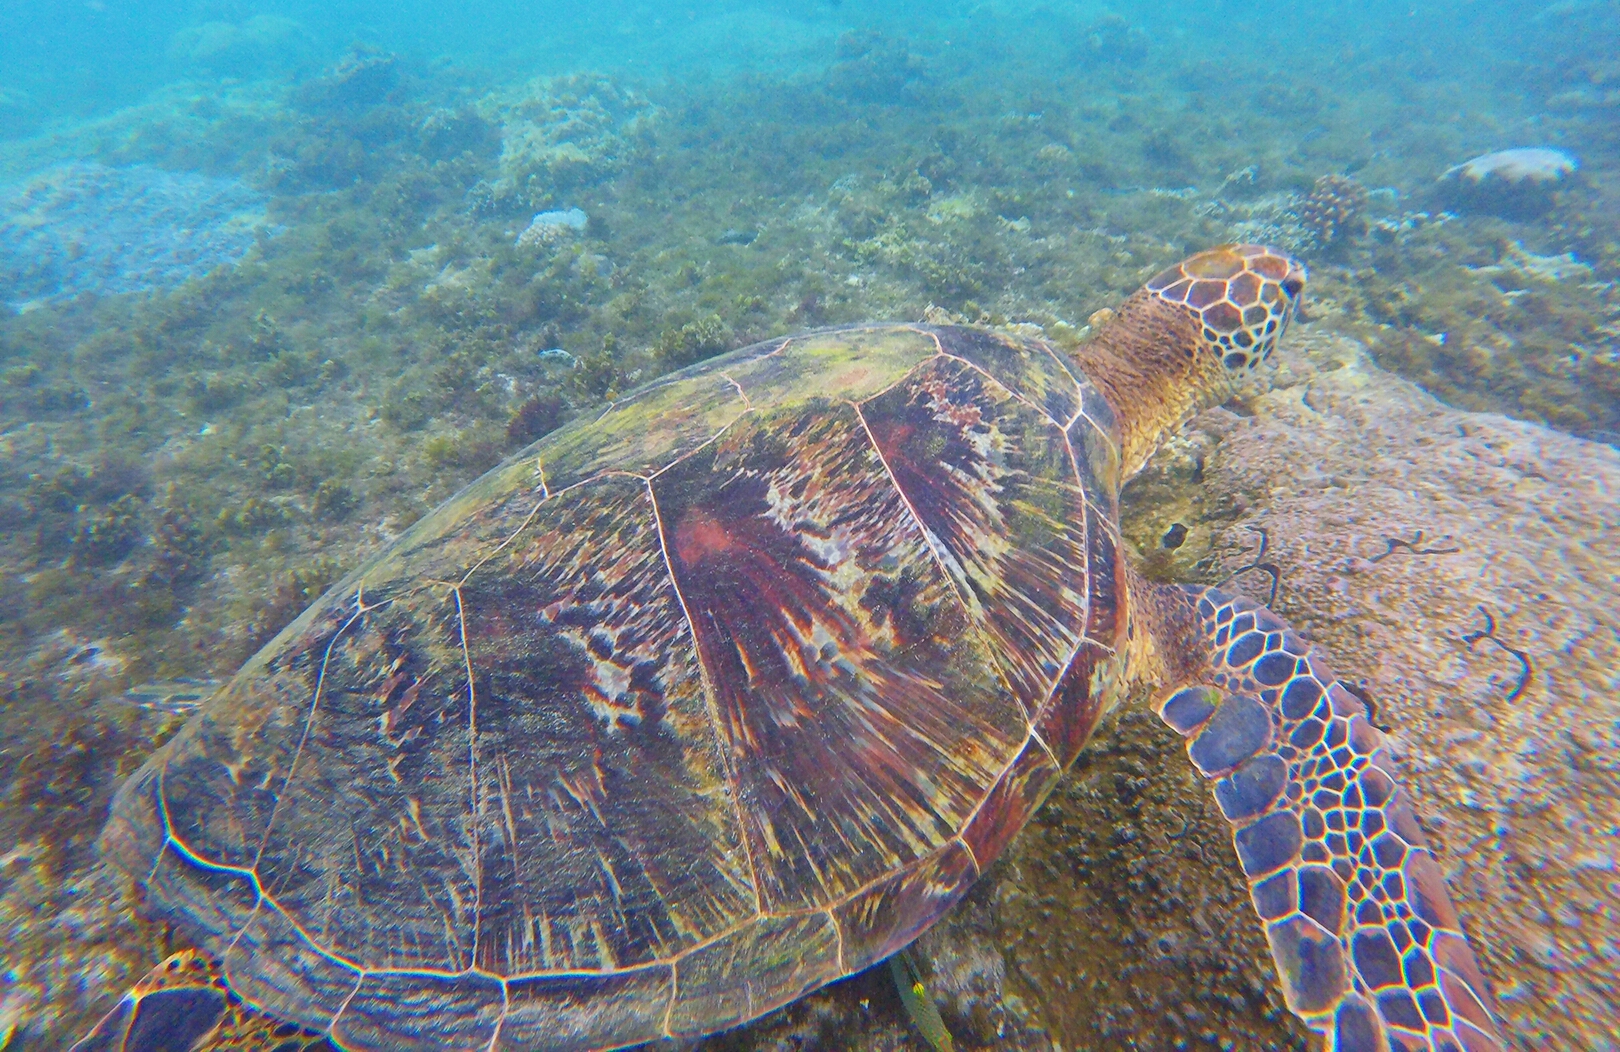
x,y
265,311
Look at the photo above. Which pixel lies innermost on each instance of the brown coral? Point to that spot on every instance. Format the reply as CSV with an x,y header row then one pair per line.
x,y
1337,207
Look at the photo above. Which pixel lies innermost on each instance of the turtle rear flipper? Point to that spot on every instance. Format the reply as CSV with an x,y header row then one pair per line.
x,y
1364,936
186,1005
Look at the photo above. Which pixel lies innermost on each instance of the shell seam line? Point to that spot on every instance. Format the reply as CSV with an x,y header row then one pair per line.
x,y
980,629
506,1010
331,1024
1018,397
1085,547
1081,414
986,799
712,705
922,527
309,719
475,802
1015,395
528,519
705,444
1068,663
1053,353
978,870
747,402
674,995
265,899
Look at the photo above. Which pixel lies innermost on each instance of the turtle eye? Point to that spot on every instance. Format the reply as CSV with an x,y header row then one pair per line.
x,y
1292,285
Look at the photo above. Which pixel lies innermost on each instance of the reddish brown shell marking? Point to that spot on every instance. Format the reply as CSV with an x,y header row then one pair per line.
x,y
681,713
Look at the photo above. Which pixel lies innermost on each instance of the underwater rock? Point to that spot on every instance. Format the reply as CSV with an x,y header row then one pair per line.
x,y
89,228
871,67
447,133
549,226
1514,183
1110,41
1525,165
1460,568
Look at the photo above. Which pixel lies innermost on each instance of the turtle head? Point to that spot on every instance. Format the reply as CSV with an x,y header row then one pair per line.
x,y
1241,296
1186,338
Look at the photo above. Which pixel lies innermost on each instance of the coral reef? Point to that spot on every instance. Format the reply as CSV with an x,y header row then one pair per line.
x,y
875,68
1336,209
557,134
549,226
90,228
1491,325
366,76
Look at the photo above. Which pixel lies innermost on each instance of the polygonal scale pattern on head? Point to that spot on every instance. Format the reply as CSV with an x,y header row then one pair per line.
x,y
1365,939
1242,295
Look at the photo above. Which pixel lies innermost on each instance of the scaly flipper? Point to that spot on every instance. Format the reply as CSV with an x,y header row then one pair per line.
x,y
1368,947
185,1005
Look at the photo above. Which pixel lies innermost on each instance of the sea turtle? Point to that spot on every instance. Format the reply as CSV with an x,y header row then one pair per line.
x,y
729,692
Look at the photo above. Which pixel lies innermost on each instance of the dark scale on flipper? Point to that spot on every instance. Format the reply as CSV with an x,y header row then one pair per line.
x,y
185,1005
1252,788
1334,857
1187,710
1240,728
1247,647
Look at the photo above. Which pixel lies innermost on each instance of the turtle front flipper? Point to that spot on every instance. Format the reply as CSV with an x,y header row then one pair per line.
x,y
1364,936
185,1004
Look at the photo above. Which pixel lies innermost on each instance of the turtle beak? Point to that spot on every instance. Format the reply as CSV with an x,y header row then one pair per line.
x,y
1293,286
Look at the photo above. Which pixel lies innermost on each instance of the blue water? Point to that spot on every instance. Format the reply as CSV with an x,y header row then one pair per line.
x,y
278,278
75,59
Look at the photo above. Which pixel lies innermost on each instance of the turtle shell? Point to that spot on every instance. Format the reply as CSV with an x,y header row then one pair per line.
x,y
676,715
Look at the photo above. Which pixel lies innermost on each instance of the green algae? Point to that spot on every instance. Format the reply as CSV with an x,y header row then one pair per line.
x,y
293,415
